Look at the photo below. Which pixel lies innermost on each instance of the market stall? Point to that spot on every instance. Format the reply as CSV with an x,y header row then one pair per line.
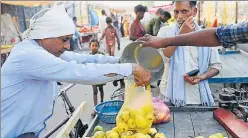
x,y
88,33
11,33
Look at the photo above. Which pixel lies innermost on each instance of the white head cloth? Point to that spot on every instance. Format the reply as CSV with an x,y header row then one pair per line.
x,y
50,23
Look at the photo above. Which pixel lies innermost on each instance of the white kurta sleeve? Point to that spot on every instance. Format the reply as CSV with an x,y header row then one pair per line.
x,y
86,58
42,65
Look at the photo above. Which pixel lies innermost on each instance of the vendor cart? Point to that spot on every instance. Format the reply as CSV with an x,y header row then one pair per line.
x,y
186,122
87,37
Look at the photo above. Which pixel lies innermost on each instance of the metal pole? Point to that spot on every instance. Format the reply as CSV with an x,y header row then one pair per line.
x,y
25,25
88,12
56,128
199,12
237,13
65,97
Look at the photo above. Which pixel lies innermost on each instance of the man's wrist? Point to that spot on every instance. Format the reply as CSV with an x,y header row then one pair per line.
x,y
166,42
134,68
203,76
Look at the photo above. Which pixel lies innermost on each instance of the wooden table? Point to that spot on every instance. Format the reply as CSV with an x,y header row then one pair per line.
x,y
185,122
234,69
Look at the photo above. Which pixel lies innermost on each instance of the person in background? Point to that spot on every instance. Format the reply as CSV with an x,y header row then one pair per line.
x,y
137,30
94,47
122,27
126,22
76,39
115,21
75,22
102,26
147,16
111,34
158,12
181,60
155,24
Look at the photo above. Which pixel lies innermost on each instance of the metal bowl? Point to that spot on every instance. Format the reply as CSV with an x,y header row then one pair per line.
x,y
144,56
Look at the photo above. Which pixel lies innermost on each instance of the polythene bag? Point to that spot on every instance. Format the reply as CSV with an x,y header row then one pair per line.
x,y
136,113
161,112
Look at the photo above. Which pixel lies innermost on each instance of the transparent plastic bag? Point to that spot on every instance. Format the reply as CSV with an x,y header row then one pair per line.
x,y
161,112
136,113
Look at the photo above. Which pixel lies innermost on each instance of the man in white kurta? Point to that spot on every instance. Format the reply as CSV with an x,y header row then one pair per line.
x,y
102,26
29,75
191,57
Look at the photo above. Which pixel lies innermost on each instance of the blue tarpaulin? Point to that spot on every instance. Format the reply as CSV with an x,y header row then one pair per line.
x,y
93,18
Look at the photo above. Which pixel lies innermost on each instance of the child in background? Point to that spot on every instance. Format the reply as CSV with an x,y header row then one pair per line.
x,y
94,46
110,33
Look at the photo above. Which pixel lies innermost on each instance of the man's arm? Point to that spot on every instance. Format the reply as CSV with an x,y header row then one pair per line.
x,y
103,34
214,67
206,37
85,58
41,65
209,74
80,26
215,64
200,38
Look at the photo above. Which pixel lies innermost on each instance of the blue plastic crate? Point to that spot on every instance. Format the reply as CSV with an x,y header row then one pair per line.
x,y
107,111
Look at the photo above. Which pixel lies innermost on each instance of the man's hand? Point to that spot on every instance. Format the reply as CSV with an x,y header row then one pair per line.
x,y
195,79
141,76
188,26
152,41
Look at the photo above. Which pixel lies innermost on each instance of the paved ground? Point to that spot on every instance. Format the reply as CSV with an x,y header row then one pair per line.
x,y
80,93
